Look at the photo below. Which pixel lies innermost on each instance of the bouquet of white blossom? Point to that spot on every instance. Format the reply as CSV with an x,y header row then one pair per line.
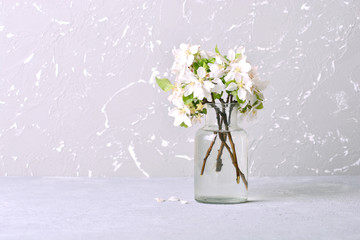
x,y
205,77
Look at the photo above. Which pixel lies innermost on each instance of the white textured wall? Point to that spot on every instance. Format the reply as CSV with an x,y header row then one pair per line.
x,y
78,97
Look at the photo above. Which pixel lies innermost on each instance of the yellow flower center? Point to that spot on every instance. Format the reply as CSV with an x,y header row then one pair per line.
x,y
183,111
199,107
241,84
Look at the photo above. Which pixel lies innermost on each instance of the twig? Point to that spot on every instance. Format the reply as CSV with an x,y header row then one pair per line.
x,y
238,171
207,155
233,161
236,163
230,111
222,136
213,142
218,158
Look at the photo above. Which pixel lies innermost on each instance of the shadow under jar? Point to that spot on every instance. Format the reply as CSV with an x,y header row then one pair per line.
x,y
221,157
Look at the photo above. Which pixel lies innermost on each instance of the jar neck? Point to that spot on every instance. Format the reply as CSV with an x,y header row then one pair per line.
x,y
221,116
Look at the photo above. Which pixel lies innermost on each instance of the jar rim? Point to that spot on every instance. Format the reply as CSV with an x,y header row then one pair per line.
x,y
221,104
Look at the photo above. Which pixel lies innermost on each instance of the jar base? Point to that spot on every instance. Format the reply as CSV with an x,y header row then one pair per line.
x,y
220,200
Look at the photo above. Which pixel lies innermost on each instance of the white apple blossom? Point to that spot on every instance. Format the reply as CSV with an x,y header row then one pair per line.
x,y
255,78
251,98
199,85
178,68
252,114
196,119
220,59
243,88
217,70
187,53
231,55
238,69
240,50
200,73
181,115
219,87
184,57
207,54
176,96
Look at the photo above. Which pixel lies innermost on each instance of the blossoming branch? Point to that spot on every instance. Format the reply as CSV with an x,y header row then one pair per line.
x,y
206,77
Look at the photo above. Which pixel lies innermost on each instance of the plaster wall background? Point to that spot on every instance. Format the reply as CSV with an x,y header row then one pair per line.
x,y
78,96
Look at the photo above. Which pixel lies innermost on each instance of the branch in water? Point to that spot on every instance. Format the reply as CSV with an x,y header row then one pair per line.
x,y
207,155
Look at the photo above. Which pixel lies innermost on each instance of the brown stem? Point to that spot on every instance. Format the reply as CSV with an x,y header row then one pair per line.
x,y
222,137
220,122
218,158
233,161
238,171
207,154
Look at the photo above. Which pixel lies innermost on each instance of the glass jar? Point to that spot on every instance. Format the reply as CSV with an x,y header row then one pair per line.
x,y
221,157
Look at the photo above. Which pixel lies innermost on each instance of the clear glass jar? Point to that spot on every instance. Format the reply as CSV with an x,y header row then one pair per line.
x,y
221,157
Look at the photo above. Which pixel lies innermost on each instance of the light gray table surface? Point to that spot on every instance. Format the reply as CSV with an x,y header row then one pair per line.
x,y
125,208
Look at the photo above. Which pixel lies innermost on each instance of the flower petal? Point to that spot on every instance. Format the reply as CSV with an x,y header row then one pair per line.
x,y
218,59
204,54
217,81
230,76
201,72
184,46
231,87
247,85
231,55
199,93
177,121
187,110
246,67
188,90
174,112
190,60
194,49
187,121
208,85
241,50
173,199
252,98
242,94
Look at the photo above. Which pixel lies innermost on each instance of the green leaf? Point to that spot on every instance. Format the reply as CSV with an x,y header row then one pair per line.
x,y
237,55
217,95
196,66
164,84
243,110
234,93
216,49
258,97
188,99
212,60
260,106
183,125
205,66
239,100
